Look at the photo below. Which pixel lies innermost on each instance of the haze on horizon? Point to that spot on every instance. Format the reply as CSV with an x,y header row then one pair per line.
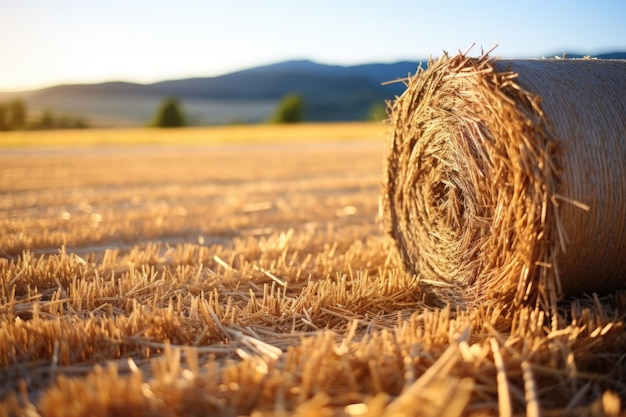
x,y
46,43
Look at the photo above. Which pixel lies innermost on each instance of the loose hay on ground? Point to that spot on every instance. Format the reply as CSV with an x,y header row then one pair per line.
x,y
297,308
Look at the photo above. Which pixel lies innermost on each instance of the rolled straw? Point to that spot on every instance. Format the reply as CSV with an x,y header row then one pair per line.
x,y
508,178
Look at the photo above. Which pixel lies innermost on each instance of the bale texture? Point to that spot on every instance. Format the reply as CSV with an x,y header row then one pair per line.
x,y
507,178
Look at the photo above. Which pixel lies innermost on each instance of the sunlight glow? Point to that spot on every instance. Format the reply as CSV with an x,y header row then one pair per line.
x,y
72,41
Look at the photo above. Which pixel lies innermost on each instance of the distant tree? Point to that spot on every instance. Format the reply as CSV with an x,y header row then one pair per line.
x,y
49,120
290,110
13,116
46,120
79,122
3,119
16,114
169,114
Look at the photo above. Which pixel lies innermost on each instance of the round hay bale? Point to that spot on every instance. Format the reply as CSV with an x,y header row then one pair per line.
x,y
508,178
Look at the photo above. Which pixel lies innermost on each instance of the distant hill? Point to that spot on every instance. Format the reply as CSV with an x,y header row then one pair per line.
x,y
331,93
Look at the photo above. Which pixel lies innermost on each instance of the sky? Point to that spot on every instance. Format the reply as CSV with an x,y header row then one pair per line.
x,y
49,42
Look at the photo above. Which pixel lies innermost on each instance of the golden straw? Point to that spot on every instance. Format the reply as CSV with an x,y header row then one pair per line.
x,y
507,178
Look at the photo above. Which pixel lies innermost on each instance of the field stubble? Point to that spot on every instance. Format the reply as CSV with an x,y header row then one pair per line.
x,y
254,280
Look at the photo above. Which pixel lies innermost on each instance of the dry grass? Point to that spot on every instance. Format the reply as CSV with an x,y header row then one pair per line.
x,y
243,134
256,281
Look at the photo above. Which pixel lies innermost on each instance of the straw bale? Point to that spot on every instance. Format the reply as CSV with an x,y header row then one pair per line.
x,y
507,178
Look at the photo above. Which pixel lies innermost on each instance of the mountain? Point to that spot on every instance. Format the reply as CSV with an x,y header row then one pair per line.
x,y
331,93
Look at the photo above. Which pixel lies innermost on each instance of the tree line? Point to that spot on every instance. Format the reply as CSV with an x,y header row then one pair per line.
x,y
15,116
170,113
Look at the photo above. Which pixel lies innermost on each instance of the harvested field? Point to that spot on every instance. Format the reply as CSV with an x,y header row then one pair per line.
x,y
256,280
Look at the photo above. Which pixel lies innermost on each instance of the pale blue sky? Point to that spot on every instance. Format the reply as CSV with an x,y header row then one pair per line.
x,y
45,42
